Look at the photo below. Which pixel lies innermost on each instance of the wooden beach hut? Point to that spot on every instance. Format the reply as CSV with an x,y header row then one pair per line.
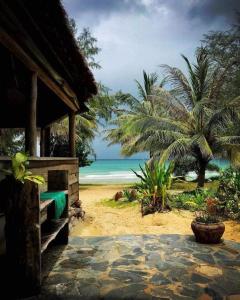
x,y
43,78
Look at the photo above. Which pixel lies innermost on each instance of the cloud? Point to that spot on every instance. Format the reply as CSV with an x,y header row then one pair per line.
x,y
205,10
209,10
142,34
99,9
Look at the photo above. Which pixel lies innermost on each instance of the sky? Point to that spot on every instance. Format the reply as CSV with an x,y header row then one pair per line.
x,y
137,35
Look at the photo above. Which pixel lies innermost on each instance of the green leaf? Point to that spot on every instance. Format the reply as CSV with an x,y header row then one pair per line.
x,y
35,178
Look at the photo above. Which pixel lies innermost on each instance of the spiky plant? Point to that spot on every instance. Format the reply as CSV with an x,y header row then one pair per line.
x,y
155,181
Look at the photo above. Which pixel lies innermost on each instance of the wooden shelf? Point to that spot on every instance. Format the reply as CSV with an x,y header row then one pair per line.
x,y
54,227
44,204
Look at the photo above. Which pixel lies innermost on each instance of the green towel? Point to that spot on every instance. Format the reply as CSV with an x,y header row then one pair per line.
x,y
59,201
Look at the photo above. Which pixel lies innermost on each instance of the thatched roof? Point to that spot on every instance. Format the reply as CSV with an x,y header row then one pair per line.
x,y
46,23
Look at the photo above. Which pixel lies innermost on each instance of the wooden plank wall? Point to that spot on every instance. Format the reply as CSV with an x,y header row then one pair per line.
x,y
43,165
40,167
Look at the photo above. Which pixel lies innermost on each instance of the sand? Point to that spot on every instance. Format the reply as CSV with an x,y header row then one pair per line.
x,y
101,220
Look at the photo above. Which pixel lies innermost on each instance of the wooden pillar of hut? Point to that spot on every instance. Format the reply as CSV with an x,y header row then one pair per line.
x,y
31,124
45,141
72,134
42,142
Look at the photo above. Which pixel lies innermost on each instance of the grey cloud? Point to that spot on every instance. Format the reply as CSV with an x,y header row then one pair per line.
x,y
104,7
204,10
209,10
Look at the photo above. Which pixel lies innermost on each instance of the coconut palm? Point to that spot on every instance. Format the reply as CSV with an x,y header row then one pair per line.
x,y
187,120
126,126
86,128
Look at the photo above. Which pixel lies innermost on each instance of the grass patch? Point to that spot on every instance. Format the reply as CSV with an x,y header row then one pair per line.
x,y
118,204
87,186
193,200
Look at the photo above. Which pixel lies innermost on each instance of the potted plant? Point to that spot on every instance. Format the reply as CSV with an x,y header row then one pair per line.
x,y
207,226
17,178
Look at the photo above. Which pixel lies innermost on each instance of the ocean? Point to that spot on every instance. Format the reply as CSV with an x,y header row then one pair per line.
x,y
113,171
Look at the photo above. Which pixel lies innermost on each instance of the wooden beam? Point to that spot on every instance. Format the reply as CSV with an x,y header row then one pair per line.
x,y
14,47
31,127
72,134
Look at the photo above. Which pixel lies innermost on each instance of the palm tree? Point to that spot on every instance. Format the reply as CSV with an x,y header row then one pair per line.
x,y
86,128
187,120
126,126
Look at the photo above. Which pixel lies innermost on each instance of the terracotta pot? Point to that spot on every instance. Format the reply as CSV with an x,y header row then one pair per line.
x,y
208,233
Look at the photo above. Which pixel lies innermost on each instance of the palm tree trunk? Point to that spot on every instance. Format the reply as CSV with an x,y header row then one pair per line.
x,y
150,154
201,174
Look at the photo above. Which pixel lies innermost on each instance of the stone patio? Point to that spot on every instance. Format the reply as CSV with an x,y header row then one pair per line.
x,y
143,267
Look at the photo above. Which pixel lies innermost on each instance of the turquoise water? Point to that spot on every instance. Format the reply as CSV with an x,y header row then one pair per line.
x,y
119,171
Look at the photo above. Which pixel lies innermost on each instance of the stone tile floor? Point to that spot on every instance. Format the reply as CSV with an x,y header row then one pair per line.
x,y
143,267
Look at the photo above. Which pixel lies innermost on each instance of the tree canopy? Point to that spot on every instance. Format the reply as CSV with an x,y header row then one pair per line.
x,y
188,119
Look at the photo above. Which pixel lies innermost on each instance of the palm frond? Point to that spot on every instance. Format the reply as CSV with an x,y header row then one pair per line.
x,y
180,84
204,147
179,148
218,78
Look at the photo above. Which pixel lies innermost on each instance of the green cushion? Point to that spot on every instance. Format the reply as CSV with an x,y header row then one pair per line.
x,y
59,201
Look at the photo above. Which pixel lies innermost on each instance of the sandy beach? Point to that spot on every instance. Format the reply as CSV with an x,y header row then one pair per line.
x,y
101,220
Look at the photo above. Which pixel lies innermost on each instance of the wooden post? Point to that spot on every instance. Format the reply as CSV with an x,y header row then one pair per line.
x,y
42,142
47,141
23,237
72,134
31,125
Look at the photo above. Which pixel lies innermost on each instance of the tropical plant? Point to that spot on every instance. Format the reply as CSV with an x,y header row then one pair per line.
x,y
229,193
19,163
206,218
188,120
127,127
130,195
86,128
155,180
192,200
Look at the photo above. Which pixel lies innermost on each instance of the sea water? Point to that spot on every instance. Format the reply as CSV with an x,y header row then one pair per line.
x,y
113,171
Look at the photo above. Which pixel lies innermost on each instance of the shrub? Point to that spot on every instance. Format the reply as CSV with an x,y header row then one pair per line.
x,y
229,193
193,200
130,195
206,218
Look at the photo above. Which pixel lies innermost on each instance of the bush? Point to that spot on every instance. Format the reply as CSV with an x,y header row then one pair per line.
x,y
130,195
192,200
229,193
